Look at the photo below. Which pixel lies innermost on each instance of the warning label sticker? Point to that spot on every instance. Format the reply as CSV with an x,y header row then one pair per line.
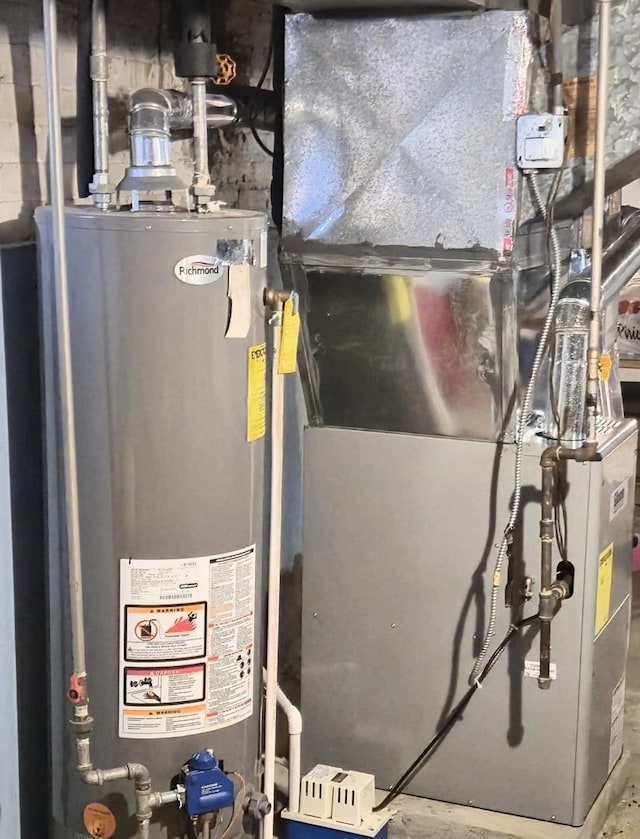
x,y
165,633
187,639
603,595
164,686
232,596
99,821
256,393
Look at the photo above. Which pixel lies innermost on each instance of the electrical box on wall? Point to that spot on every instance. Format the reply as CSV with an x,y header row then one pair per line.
x,y
540,141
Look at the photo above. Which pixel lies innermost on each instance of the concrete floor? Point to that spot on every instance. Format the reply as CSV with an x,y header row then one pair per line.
x,y
625,820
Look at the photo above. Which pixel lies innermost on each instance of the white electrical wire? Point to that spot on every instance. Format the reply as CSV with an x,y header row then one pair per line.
x,y
521,428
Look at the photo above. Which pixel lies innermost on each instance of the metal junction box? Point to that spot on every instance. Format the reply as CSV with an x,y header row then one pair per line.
x,y
399,535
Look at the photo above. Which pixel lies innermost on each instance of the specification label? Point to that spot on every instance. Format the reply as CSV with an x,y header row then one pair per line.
x,y
187,643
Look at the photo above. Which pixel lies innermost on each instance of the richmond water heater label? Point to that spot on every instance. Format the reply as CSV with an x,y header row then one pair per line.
x,y
199,269
187,644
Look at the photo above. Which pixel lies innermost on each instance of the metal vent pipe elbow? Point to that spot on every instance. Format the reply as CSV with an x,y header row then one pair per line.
x,y
154,114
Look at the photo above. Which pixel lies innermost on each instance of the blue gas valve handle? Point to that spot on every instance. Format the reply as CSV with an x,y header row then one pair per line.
x,y
207,788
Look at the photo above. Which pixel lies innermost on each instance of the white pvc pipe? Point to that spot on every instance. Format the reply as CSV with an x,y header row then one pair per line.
x,y
275,561
599,196
294,718
294,727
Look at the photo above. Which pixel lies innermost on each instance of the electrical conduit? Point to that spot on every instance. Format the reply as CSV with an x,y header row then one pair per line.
x,y
593,372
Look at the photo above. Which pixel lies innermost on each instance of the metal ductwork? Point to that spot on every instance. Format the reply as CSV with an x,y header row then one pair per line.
x,y
572,13
398,5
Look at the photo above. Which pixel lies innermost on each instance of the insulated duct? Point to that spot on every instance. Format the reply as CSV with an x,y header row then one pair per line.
x,y
398,5
572,13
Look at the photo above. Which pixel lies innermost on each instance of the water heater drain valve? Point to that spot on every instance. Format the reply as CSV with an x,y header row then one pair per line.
x,y
207,788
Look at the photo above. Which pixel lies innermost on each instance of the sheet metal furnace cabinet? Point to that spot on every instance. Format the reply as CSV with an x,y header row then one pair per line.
x,y
399,533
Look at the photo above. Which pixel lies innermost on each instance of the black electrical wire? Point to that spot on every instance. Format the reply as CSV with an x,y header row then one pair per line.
x,y
256,137
453,717
251,115
267,64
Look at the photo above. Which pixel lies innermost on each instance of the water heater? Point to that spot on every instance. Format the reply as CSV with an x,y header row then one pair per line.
x,y
169,369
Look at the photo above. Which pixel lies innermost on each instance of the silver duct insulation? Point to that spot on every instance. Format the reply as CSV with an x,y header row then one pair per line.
x,y
566,419
222,111
392,5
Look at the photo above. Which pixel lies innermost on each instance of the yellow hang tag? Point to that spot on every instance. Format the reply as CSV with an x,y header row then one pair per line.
x,y
603,594
290,334
605,367
257,393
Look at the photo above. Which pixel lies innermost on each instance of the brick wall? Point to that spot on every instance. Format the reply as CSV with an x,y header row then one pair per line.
x,y
140,55
240,169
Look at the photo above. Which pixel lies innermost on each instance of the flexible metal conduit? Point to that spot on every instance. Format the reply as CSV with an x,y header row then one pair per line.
x,y
598,221
99,77
523,420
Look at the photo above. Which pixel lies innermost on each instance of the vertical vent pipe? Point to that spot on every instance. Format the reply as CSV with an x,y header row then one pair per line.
x,y
99,75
